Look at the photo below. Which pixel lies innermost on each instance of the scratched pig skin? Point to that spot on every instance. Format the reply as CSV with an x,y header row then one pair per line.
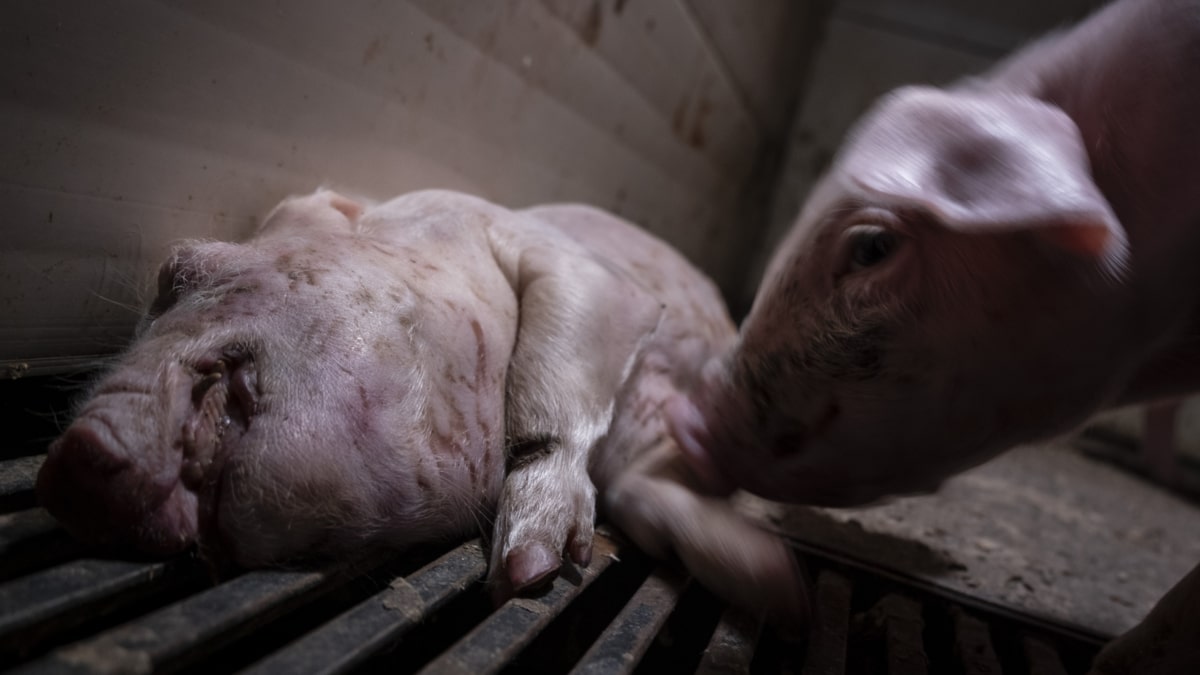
x,y
419,370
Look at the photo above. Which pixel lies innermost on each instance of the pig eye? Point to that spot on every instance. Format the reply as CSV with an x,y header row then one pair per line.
x,y
870,245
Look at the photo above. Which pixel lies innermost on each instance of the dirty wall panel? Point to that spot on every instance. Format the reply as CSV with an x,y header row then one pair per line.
x,y
659,50
127,126
764,46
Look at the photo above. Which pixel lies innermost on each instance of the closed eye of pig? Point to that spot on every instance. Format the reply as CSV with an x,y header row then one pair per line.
x,y
415,371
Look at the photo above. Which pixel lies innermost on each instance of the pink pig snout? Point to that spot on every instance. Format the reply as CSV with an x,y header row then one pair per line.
x,y
723,460
91,485
129,470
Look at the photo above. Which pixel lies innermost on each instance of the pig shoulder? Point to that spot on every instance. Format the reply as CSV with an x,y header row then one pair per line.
x,y
691,302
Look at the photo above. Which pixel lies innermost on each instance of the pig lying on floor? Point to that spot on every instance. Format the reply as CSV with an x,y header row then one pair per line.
x,y
382,376
982,266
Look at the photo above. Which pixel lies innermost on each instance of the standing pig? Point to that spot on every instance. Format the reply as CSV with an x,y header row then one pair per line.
x,y
381,376
982,266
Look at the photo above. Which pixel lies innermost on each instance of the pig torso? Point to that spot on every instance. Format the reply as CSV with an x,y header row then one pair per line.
x,y
411,372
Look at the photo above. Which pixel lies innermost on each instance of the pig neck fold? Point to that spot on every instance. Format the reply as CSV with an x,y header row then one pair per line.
x,y
1130,115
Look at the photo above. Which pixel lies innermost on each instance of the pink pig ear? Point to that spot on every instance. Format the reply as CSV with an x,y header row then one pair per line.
x,y
320,210
345,206
984,162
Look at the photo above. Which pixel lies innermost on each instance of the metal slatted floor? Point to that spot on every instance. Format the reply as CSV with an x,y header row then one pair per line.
x,y
64,611
67,609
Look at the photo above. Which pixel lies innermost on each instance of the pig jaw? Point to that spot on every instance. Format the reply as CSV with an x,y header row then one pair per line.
x,y
798,436
826,448
770,456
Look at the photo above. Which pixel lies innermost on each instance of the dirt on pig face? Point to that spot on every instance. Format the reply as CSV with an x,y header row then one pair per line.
x,y
297,394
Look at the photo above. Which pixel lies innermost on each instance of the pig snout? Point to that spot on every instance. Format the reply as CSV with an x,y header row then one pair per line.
x,y
719,425
710,425
97,492
724,459
130,470
730,431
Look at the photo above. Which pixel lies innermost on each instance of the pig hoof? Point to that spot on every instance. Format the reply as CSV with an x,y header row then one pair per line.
x,y
531,565
546,514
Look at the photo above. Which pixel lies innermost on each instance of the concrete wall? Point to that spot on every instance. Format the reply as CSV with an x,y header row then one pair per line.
x,y
128,125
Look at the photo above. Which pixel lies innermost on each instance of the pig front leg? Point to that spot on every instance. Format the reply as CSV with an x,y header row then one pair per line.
x,y
580,327
655,503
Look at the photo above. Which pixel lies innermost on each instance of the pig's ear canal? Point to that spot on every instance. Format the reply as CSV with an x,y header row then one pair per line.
x,y
985,163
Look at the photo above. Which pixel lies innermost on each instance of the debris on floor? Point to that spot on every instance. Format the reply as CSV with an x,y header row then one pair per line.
x,y
1041,529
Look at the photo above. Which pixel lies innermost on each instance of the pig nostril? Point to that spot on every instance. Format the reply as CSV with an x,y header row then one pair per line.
x,y
102,497
72,482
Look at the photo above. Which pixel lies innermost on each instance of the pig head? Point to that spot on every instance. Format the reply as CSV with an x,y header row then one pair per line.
x,y
377,376
298,393
981,266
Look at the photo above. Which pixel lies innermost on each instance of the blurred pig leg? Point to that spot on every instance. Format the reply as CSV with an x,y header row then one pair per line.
x,y
580,327
654,504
